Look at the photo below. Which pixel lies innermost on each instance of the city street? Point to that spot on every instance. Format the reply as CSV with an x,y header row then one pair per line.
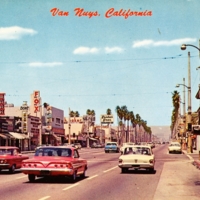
x,y
174,175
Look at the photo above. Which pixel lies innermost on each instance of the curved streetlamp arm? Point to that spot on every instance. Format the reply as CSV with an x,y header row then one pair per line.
x,y
183,85
183,47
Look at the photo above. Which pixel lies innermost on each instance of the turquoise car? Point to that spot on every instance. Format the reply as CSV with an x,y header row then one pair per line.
x,y
111,147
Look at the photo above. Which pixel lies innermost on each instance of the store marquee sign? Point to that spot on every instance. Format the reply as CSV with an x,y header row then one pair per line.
x,y
106,119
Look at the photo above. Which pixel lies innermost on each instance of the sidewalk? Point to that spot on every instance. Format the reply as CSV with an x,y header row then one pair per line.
x,y
179,180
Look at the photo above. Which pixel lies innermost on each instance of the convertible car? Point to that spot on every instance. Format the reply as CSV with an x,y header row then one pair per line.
x,y
11,158
137,157
55,161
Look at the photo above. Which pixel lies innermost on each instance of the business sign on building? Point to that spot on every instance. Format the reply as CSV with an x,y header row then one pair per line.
x,y
36,101
2,104
106,119
24,109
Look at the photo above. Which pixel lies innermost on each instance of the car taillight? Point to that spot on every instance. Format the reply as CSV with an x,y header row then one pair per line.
x,y
68,165
120,160
151,161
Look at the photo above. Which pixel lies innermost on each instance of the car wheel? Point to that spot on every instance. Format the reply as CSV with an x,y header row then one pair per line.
x,y
151,170
124,170
31,177
12,169
73,177
83,175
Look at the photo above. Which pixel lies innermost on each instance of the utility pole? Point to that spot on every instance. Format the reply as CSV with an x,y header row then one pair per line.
x,y
69,126
189,116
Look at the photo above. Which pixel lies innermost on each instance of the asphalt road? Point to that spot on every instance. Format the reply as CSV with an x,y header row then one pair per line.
x,y
103,180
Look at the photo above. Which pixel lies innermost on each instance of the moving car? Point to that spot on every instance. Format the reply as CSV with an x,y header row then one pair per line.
x,y
11,158
137,157
55,161
174,147
111,147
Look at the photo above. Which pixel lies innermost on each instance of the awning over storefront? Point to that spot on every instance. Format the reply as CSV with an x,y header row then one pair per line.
x,y
3,136
19,136
93,139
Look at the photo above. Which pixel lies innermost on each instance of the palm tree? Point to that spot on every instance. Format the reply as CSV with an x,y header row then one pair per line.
x,y
108,112
137,121
74,114
120,123
176,104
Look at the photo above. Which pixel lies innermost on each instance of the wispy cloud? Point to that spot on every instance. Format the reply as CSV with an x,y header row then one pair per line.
x,y
44,64
86,50
15,32
149,43
113,50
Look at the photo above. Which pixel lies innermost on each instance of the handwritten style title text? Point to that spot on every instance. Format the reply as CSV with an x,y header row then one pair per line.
x,y
80,12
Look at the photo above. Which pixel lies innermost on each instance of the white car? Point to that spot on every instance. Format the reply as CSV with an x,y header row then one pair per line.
x,y
137,157
174,147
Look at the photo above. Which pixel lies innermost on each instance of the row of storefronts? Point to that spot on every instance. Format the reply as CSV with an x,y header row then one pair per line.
x,y
32,124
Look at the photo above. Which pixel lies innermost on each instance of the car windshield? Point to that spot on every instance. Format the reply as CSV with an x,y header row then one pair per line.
x,y
137,150
112,144
54,152
175,145
6,151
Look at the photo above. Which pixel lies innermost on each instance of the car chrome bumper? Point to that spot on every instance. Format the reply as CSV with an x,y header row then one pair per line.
x,y
136,165
47,171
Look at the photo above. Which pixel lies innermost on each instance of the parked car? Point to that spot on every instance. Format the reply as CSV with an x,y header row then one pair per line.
x,y
77,145
137,157
174,147
111,147
11,158
97,145
55,161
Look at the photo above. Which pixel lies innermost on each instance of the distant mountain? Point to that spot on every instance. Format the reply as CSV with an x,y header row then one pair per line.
x,y
162,132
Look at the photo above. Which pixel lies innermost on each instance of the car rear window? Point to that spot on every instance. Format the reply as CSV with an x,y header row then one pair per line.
x,y
137,150
53,152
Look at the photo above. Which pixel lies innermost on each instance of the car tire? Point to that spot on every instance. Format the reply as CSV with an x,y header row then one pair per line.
x,y
31,178
83,175
124,170
73,177
12,169
152,170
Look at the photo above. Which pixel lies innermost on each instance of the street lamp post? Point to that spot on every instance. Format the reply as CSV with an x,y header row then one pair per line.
x,y
189,116
183,47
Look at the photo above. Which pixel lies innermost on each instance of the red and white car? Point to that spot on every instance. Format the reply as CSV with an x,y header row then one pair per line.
x,y
55,161
11,158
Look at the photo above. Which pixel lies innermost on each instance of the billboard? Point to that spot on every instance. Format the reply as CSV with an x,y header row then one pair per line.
x,y
106,119
2,104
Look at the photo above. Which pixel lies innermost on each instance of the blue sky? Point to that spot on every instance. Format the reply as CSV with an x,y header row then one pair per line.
x,y
84,62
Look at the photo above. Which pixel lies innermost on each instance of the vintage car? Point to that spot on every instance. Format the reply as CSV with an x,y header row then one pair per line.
x,y
77,145
55,161
174,147
111,147
11,158
137,157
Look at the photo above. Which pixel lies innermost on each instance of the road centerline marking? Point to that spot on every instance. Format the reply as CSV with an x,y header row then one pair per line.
x,y
92,177
67,188
110,169
43,198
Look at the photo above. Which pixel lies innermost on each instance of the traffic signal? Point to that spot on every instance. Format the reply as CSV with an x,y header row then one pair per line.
x,y
189,127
